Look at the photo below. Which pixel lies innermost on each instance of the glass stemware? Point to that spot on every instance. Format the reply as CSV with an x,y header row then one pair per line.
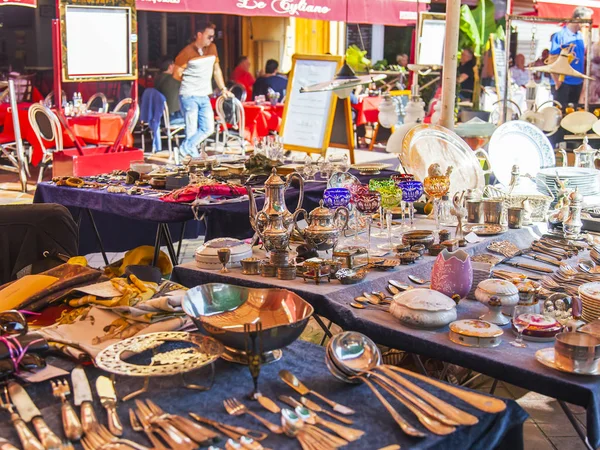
x,y
520,323
399,178
411,192
436,187
377,184
368,202
356,190
334,198
224,255
390,198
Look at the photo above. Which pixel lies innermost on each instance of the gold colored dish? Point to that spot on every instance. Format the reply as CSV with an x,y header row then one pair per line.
x,y
546,356
485,230
370,169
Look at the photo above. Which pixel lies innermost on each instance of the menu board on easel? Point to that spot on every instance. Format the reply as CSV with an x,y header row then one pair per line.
x,y
499,63
99,40
308,118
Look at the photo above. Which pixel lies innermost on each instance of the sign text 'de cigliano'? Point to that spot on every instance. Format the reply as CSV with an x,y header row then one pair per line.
x,y
290,7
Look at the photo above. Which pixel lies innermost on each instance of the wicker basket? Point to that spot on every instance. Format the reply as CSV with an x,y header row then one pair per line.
x,y
540,203
481,271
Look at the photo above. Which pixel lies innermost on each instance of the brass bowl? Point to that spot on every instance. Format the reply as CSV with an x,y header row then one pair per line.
x,y
221,310
415,237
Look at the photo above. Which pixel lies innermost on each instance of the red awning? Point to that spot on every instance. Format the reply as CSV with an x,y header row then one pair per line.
x,y
564,8
306,9
385,12
29,3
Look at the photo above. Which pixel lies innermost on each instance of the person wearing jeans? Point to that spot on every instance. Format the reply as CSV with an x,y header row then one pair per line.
x,y
195,66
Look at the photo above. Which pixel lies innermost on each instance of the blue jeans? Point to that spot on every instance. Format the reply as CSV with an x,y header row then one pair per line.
x,y
199,122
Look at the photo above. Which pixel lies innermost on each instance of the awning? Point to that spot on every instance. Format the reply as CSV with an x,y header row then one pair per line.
x,y
564,8
29,3
334,10
385,12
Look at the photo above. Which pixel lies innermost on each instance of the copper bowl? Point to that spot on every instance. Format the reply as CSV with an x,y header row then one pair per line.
x,y
221,310
424,237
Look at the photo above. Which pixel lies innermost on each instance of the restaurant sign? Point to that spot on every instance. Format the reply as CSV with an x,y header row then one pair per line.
x,y
309,9
29,3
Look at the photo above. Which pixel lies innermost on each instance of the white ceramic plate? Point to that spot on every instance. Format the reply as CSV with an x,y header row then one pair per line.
x,y
427,144
519,142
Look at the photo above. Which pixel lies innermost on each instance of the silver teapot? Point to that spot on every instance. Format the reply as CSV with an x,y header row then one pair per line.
x,y
324,225
274,215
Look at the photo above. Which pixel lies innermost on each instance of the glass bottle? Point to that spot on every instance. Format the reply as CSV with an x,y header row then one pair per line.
x,y
445,218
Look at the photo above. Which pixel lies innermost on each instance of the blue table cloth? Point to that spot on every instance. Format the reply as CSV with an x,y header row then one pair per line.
x,y
127,221
505,362
503,430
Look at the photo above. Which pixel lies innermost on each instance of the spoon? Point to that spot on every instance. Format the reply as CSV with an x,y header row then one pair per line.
x,y
393,289
367,306
398,285
268,404
290,379
418,280
361,299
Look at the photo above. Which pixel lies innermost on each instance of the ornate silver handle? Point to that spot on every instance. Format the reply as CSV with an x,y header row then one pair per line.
x,y
71,423
485,156
288,180
114,423
49,440
27,438
563,153
342,210
88,417
296,215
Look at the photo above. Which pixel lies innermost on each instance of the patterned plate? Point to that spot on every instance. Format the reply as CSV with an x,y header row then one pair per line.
x,y
485,229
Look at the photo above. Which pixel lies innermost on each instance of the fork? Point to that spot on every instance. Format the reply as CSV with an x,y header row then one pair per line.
x,y
176,438
235,408
71,424
27,438
137,425
101,439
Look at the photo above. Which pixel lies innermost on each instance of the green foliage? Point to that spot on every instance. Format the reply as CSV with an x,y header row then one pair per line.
x,y
356,59
476,25
380,65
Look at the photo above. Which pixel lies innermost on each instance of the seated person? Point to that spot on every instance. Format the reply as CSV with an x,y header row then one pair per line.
x,y
271,79
241,75
518,72
169,87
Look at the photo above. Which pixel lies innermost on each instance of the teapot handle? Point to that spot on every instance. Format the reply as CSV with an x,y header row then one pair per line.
x,y
296,215
563,153
259,226
485,156
342,210
288,180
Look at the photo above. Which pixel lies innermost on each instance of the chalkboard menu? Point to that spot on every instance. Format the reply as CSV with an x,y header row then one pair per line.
x,y
354,33
308,117
499,62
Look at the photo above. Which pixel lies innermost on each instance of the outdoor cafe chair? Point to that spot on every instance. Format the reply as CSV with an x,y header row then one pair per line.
x,y
238,91
49,100
23,86
93,100
48,131
12,151
230,112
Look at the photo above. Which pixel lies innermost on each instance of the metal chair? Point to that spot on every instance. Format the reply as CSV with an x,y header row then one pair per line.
x,y
12,149
237,120
23,86
123,106
48,131
172,132
93,98
238,91
49,99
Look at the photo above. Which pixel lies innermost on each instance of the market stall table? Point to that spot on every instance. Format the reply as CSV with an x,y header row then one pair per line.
x,y
125,222
503,430
505,362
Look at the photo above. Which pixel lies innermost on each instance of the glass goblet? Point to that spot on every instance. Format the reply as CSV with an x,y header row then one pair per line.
x,y
436,187
336,197
411,192
356,190
367,203
376,184
520,321
390,198
399,178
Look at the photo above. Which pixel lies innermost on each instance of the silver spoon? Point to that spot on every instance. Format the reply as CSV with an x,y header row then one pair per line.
x,y
418,280
398,285
363,306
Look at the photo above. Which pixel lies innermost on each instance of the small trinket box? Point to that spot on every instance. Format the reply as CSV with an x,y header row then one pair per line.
x,y
402,248
408,257
250,266
286,273
444,235
268,270
418,248
436,249
451,245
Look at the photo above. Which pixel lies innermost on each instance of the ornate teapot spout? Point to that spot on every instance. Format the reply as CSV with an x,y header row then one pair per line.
x,y
252,206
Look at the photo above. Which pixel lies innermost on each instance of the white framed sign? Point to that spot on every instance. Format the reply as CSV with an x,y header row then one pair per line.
x,y
432,35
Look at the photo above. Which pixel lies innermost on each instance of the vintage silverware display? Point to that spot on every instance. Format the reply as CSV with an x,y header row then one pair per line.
x,y
108,398
27,438
82,396
71,423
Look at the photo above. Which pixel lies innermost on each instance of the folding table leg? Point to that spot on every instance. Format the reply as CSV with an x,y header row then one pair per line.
x,y
157,243
575,424
181,239
324,335
420,364
169,242
98,238
493,388
323,326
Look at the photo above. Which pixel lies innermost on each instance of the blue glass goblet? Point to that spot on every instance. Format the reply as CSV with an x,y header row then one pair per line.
x,y
411,192
336,197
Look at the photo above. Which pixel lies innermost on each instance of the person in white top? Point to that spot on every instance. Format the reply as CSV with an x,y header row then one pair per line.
x,y
519,74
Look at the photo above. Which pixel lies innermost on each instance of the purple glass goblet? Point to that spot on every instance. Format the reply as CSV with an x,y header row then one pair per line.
x,y
411,192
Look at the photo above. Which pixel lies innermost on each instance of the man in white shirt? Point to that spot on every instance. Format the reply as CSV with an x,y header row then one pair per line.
x,y
519,74
195,66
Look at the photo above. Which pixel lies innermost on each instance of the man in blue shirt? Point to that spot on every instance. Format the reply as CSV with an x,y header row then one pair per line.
x,y
569,90
271,79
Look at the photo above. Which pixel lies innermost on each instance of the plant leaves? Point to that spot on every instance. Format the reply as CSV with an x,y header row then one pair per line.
x,y
355,58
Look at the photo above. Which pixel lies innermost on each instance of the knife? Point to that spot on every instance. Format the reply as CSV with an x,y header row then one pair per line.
x,y
108,399
317,408
528,267
545,259
82,395
29,413
5,445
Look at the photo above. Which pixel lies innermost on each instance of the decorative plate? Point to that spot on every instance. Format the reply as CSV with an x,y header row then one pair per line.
x,y
590,290
425,300
200,351
386,264
476,328
546,357
485,229
522,143
426,144
370,168
342,179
